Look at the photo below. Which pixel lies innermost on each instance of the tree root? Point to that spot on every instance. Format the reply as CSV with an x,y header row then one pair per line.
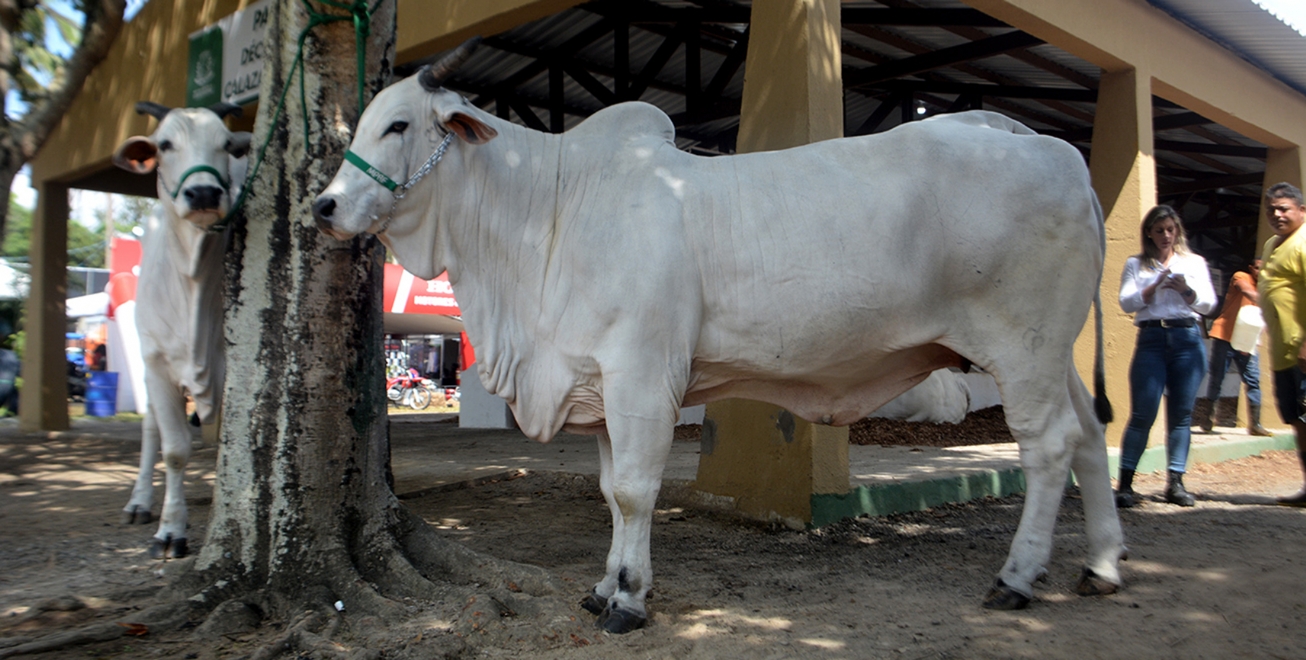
x,y
164,617
311,632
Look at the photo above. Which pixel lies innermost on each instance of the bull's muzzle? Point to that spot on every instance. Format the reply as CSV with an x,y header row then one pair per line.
x,y
323,208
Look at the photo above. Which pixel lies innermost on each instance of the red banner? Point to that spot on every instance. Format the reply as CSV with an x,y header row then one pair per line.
x,y
406,294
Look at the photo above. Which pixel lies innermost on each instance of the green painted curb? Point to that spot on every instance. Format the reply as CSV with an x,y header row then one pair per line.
x,y
907,496
1153,459
902,497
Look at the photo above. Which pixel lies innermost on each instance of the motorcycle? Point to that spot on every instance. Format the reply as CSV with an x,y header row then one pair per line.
x,y
410,391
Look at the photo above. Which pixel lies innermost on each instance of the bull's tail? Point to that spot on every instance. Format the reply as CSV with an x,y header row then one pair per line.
x,y
1101,404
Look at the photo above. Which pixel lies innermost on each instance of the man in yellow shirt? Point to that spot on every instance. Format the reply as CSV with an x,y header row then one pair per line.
x,y
1282,289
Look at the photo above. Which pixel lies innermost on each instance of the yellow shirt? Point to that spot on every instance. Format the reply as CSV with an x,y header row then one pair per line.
x,y
1282,289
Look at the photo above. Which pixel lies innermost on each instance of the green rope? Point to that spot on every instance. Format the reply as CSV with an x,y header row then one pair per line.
x,y
361,15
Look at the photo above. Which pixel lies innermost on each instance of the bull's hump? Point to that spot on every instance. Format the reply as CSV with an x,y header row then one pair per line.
x,y
625,121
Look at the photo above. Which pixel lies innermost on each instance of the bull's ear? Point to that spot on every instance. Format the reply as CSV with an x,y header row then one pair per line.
x,y
138,155
238,144
469,128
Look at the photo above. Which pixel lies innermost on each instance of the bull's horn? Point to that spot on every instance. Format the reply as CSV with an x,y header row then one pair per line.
x,y
222,109
152,109
432,78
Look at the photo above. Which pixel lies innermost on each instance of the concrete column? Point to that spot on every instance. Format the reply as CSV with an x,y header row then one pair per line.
x,y
1280,165
768,460
43,404
1123,167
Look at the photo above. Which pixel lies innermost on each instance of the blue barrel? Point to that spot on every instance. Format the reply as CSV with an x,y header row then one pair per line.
x,y
102,393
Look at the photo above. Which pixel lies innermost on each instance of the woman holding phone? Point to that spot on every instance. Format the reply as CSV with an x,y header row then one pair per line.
x,y
1167,288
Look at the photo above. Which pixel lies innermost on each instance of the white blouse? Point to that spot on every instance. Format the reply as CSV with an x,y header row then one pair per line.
x,y
1166,303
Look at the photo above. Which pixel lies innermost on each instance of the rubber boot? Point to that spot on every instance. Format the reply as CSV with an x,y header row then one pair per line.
x,y
1226,412
1125,491
1202,414
1174,490
1254,421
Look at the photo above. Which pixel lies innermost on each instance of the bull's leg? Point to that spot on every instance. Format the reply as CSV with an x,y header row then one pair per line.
x,y
1102,525
138,507
640,442
1046,430
597,600
168,404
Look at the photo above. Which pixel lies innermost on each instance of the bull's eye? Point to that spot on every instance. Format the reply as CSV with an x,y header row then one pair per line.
x,y
166,145
397,127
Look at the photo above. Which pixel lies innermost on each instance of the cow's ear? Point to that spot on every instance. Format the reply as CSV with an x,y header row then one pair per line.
x,y
238,144
469,128
138,155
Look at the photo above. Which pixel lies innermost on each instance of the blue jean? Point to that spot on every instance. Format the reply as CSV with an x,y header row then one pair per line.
x,y
1221,354
1166,360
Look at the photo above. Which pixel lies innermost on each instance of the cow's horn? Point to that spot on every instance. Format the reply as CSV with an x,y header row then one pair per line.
x,y
152,109
433,77
222,109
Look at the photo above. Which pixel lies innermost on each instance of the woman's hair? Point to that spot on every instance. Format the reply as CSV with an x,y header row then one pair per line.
x,y
1160,213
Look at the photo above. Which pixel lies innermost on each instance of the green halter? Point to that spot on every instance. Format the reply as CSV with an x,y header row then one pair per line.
x,y
196,170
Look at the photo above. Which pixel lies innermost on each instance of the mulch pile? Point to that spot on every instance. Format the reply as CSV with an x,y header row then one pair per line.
x,y
982,427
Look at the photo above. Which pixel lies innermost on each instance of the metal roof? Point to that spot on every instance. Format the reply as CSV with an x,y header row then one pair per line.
x,y
902,59
1249,31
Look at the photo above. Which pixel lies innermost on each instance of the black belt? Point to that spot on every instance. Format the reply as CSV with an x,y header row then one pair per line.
x,y
1169,323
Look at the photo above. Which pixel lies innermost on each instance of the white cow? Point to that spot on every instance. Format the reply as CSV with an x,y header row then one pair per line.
x,y
179,297
607,278
943,396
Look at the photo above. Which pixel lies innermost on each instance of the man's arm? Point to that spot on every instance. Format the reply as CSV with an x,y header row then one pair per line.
x,y
1243,283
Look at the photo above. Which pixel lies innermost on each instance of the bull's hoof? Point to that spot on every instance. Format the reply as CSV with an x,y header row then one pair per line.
x,y
136,515
168,548
1002,597
618,620
1090,584
594,603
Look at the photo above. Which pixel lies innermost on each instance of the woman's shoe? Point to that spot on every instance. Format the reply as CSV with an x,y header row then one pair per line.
x,y
1125,499
1298,500
1174,490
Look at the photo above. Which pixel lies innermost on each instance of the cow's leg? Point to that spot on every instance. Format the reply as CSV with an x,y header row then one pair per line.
x,y
1046,428
138,507
168,404
640,433
1105,538
597,600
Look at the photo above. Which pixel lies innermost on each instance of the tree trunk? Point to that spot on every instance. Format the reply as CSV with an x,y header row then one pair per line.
x,y
303,513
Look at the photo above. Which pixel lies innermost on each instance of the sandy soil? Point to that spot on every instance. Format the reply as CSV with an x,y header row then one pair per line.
x,y
1222,579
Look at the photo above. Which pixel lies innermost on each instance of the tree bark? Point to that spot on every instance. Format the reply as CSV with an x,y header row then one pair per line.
x,y
303,513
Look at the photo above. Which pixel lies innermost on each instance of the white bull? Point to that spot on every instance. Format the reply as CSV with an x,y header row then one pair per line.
x,y
943,396
607,278
179,297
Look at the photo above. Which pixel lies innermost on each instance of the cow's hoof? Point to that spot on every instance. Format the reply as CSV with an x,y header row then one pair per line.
x,y
1002,597
137,515
168,548
594,603
1090,584
619,620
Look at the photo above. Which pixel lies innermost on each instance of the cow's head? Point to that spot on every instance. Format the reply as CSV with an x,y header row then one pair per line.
x,y
192,151
407,127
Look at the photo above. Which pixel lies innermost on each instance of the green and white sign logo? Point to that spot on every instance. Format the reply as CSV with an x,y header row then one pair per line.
x,y
226,58
204,73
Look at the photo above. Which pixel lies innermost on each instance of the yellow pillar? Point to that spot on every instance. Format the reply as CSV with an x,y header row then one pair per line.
x,y
768,460
1280,165
44,397
1124,176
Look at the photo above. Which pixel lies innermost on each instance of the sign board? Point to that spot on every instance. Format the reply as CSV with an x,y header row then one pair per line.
x,y
226,58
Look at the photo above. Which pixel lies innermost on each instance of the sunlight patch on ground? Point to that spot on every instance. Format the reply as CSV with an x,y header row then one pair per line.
x,y
1213,576
715,622
826,644
450,523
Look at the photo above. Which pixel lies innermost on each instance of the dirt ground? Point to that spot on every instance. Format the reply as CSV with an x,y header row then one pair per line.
x,y
1222,579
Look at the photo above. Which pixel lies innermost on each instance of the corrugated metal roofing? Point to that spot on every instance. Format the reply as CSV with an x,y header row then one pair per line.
x,y
1251,32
